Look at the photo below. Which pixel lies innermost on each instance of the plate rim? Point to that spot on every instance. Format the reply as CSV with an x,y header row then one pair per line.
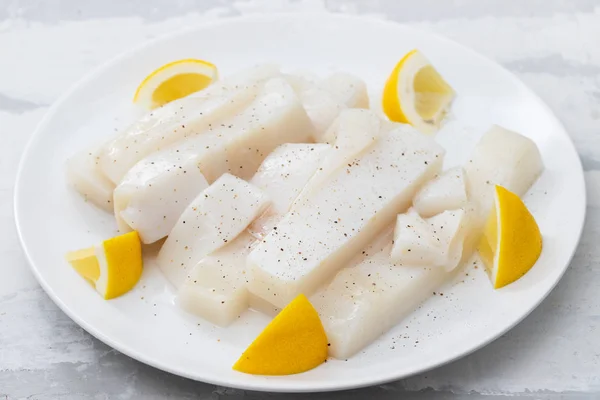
x,y
275,386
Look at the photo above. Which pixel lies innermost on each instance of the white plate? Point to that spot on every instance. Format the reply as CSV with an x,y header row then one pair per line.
x,y
144,324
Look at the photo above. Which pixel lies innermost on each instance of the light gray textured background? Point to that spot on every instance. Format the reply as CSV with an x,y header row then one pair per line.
x,y
552,45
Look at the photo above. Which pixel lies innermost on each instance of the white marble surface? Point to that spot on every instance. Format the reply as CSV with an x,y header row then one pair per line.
x,y
552,45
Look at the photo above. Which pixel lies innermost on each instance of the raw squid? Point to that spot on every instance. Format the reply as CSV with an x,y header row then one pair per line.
x,y
370,296
283,175
83,174
324,100
446,192
431,242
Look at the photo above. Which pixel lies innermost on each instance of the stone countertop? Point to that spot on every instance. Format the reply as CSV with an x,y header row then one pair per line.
x,y
552,45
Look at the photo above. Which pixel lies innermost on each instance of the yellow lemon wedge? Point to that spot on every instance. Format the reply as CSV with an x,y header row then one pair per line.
x,y
113,267
511,242
173,81
415,93
293,342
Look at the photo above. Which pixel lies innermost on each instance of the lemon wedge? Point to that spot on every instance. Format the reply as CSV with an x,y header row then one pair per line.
x,y
415,93
113,267
293,342
173,81
511,242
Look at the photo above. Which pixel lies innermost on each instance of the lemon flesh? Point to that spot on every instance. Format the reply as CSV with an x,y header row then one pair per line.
x,y
84,261
432,94
179,86
294,342
415,93
174,81
113,267
511,241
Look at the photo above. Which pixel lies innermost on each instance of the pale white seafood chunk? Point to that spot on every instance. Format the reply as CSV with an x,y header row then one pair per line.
x,y
351,133
217,216
302,80
370,296
216,287
445,192
261,305
85,177
504,158
283,175
320,234
348,89
433,242
324,100
322,109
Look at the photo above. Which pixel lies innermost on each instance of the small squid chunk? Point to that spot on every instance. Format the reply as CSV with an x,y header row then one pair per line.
x,y
434,242
214,218
370,296
445,192
321,108
352,132
216,288
348,89
504,158
85,177
283,175
324,100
